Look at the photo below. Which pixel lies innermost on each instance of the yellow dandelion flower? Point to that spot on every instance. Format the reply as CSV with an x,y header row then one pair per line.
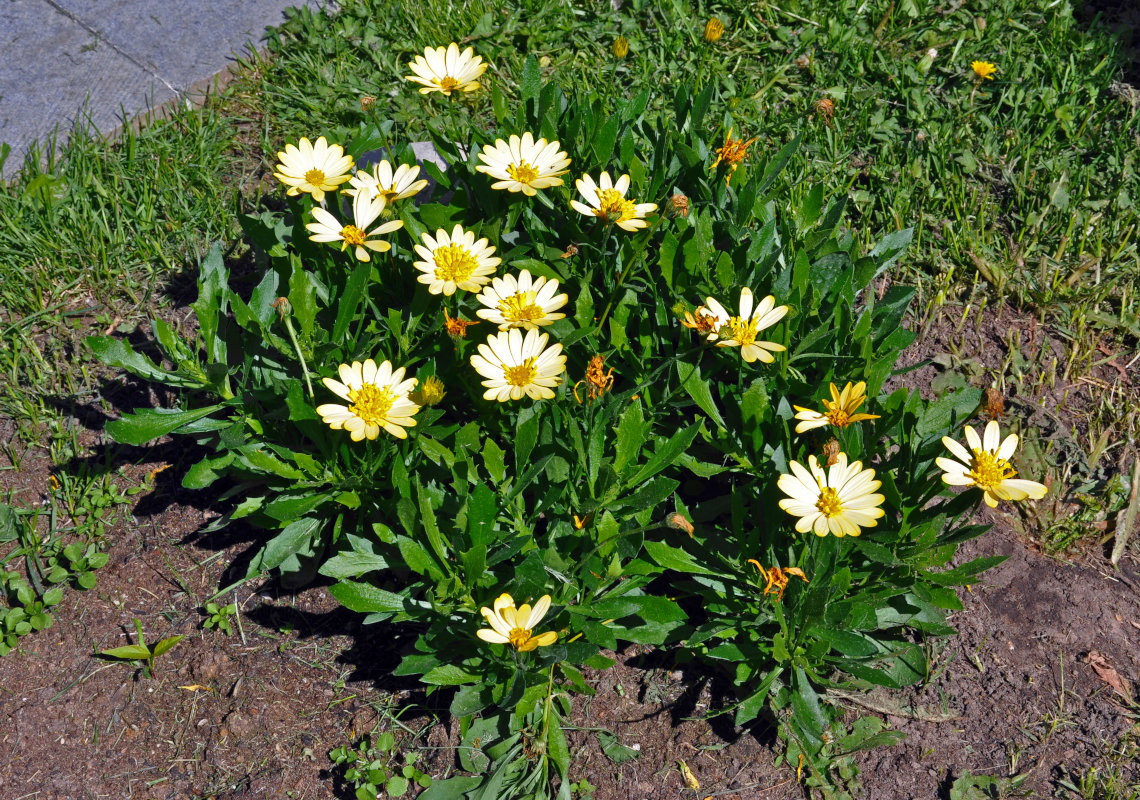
x,y
523,164
365,210
620,47
983,70
446,70
839,499
455,262
607,201
714,29
378,398
515,626
741,331
841,409
313,167
986,465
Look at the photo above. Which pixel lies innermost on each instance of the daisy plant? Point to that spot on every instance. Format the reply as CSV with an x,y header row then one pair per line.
x,y
521,498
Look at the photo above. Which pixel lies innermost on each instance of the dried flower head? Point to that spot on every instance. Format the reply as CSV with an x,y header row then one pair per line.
x,y
831,451
457,326
994,404
597,380
677,206
776,578
366,102
702,321
825,107
678,522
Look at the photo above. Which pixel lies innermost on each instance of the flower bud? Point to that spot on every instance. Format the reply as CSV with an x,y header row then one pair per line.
x,y
714,29
620,47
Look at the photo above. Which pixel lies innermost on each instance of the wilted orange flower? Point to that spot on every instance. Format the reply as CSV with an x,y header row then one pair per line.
x,y
597,380
831,451
457,326
826,108
701,321
732,152
776,578
994,404
678,522
677,206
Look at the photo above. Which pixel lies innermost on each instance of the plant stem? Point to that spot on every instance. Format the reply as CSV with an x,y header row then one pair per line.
x,y
297,347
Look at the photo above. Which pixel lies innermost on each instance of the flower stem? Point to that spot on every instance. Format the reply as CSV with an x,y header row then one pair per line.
x,y
297,347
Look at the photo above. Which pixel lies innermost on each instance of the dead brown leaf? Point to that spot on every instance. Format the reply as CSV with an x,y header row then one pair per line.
x,y
1109,675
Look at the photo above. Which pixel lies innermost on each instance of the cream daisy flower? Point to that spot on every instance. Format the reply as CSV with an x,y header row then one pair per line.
x,y
446,70
391,186
378,398
521,302
606,200
455,262
740,331
516,366
986,465
514,626
839,499
523,165
841,409
365,210
315,168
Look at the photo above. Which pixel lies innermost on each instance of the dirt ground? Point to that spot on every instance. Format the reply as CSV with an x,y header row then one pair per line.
x,y
1033,684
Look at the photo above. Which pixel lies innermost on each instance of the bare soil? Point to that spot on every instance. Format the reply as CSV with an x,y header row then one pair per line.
x,y
1026,688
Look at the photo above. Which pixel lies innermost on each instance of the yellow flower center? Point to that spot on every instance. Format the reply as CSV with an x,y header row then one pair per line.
x,y
742,331
352,235
519,637
371,403
989,471
612,207
454,263
522,375
522,172
836,415
828,502
447,84
521,307
315,177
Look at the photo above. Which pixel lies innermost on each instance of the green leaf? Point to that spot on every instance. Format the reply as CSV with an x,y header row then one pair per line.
x,y
366,597
303,298
698,389
450,675
148,424
297,537
630,436
666,454
354,289
675,558
166,644
530,82
117,353
352,564
613,748
212,284
130,652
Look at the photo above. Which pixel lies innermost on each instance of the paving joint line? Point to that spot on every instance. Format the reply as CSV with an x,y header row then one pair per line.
x,y
145,67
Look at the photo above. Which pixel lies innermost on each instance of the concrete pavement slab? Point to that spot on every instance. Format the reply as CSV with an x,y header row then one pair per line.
x,y
116,58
